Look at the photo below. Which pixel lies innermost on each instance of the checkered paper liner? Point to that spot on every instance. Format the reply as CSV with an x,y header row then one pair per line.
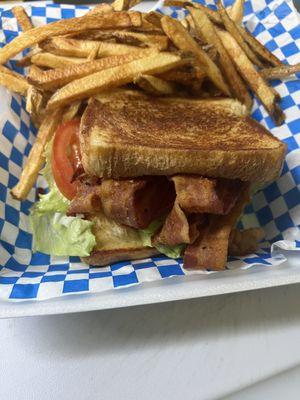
x,y
27,276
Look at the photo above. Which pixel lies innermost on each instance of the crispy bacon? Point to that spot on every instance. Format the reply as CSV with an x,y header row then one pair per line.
x,y
196,194
86,201
178,228
137,202
211,248
244,242
175,230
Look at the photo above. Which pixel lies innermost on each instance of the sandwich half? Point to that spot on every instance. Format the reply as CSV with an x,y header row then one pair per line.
x,y
155,175
171,176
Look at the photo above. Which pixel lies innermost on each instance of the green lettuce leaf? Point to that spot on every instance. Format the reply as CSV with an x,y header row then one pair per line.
x,y
53,232
56,234
169,251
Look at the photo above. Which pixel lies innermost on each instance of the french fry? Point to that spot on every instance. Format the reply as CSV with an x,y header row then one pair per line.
x,y
53,61
26,60
35,105
63,27
236,12
282,71
36,157
176,3
100,9
212,14
82,48
154,18
34,72
259,48
55,78
8,71
147,26
22,18
182,76
185,23
131,38
133,3
193,32
155,86
113,77
183,40
259,86
71,112
120,5
207,30
93,54
13,83
232,28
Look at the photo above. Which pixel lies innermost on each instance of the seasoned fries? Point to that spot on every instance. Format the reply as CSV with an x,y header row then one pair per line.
x,y
183,40
155,86
36,157
113,77
63,27
252,77
55,78
22,18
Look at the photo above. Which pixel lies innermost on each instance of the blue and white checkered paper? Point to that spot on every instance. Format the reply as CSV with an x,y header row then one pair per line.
x,y
25,276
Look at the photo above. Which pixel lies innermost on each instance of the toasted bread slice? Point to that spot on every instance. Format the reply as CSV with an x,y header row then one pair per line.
x,y
131,136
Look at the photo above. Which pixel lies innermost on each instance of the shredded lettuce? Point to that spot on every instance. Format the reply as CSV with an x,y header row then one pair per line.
x,y
169,251
54,232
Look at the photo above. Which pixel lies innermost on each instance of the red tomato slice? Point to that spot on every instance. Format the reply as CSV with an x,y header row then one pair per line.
x,y
66,157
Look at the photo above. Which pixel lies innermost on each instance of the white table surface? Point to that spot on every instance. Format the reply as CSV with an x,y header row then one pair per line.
x,y
195,349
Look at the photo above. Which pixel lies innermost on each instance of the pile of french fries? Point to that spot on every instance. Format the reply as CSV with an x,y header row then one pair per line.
x,y
208,53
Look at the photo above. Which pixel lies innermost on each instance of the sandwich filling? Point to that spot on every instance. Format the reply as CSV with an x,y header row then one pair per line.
x,y
104,218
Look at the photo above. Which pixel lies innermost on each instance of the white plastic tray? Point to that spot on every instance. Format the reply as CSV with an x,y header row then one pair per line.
x,y
167,290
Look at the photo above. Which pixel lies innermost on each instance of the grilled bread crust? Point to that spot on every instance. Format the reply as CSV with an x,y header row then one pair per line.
x,y
130,136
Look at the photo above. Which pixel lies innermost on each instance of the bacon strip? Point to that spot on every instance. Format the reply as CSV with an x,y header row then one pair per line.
x,y
211,248
196,194
244,242
137,202
86,201
178,228
175,229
